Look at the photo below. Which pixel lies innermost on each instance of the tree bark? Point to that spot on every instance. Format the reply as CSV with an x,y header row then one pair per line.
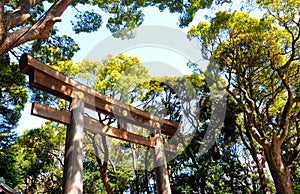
x,y
280,173
136,173
104,176
103,168
254,154
262,177
160,169
2,22
73,166
39,30
146,182
261,172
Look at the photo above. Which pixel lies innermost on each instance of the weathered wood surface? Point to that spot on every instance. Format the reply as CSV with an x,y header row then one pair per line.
x,y
73,162
47,79
161,172
90,125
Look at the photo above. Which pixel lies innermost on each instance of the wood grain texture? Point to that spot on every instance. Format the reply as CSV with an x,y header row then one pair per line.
x,y
90,125
49,80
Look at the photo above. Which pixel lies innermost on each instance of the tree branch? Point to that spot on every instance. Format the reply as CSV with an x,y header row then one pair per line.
x,y
251,129
39,30
243,138
260,140
2,22
292,157
296,151
293,46
246,95
20,15
16,19
238,100
26,4
285,117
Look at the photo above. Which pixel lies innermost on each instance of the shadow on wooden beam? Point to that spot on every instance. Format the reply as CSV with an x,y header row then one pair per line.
x,y
90,125
49,80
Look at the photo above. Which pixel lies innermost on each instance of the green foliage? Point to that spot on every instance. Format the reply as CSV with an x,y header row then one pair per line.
x,y
124,16
295,176
121,77
249,50
120,178
221,169
91,174
40,155
260,60
54,49
40,150
9,166
117,77
57,52
124,78
13,96
88,71
239,43
88,21
127,15
164,96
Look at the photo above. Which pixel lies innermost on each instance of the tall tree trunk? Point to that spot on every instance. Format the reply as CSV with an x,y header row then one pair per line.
x,y
280,173
259,163
136,173
104,176
102,166
146,172
10,39
262,177
2,22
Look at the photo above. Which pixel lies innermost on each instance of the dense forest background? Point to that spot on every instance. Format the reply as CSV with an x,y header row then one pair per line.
x,y
255,60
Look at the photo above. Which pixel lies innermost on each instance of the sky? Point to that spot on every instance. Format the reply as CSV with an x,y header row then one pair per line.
x,y
87,42
160,60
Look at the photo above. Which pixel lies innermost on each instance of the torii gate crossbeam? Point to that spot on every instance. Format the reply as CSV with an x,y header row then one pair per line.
x,y
47,79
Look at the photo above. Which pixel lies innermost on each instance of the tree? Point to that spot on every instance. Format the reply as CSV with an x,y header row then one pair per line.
x,y
260,60
40,158
16,14
222,168
9,166
13,96
109,164
117,77
37,156
26,20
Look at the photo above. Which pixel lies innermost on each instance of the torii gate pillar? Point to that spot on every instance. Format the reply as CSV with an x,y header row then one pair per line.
x,y
48,80
161,172
73,165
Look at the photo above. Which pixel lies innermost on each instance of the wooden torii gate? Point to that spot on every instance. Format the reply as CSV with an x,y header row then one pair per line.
x,y
48,80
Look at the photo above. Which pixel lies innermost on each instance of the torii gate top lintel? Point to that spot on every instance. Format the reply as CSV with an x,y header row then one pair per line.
x,y
45,78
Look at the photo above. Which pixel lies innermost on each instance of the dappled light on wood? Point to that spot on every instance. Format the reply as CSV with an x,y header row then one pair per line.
x,y
48,80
